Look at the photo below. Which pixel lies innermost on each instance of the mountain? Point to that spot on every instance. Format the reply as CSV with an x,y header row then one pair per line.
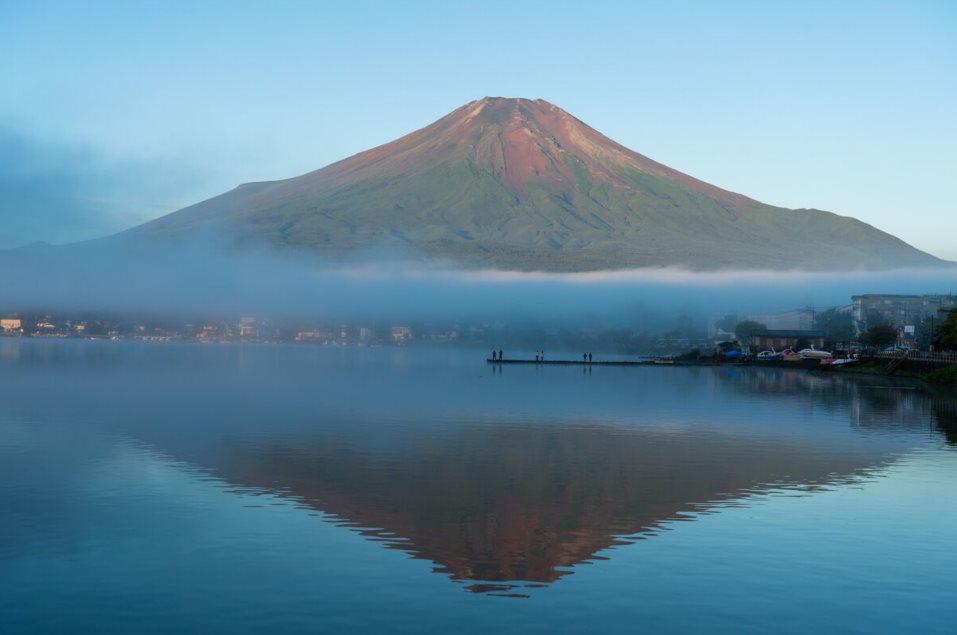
x,y
522,184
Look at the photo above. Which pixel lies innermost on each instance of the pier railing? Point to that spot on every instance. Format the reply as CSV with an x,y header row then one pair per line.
x,y
941,357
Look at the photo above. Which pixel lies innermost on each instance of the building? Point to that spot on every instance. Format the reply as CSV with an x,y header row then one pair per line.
x,y
247,327
46,326
795,319
901,310
779,339
401,334
10,325
317,336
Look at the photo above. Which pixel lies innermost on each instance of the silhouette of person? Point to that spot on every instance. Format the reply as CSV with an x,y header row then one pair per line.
x,y
589,358
584,357
493,356
500,358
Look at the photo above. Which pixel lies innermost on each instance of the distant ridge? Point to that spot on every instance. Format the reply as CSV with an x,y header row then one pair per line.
x,y
521,184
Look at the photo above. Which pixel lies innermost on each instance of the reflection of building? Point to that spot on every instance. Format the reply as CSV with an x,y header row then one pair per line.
x,y
10,325
873,309
762,339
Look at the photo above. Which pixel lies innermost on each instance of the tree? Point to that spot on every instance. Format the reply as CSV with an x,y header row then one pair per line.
x,y
725,347
946,333
879,336
743,330
837,325
925,335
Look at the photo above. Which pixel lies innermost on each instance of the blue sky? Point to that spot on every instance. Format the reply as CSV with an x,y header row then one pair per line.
x,y
114,113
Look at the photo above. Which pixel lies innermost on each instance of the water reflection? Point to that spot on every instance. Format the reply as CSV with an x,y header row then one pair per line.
x,y
945,415
501,481
500,503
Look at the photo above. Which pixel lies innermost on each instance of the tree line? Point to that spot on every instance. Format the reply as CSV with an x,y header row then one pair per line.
x,y
839,326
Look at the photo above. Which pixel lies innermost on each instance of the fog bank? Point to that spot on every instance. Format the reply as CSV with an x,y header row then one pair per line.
x,y
197,278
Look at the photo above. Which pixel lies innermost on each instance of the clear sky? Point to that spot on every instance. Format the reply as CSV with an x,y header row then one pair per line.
x,y
113,113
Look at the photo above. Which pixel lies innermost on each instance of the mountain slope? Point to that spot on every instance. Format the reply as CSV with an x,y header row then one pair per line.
x,y
520,184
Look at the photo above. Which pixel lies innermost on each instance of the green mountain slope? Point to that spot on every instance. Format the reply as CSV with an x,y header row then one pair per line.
x,y
520,184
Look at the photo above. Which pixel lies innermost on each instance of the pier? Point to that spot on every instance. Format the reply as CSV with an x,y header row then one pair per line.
x,y
576,362
804,364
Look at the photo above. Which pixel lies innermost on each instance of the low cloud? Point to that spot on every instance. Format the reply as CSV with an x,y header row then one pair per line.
x,y
58,192
207,277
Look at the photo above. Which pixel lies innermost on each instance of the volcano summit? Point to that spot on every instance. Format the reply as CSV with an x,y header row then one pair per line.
x,y
522,185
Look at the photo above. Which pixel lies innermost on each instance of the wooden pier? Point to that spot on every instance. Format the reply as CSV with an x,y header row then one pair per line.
x,y
803,364
575,362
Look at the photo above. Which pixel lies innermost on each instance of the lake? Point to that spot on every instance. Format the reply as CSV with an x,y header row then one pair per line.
x,y
160,488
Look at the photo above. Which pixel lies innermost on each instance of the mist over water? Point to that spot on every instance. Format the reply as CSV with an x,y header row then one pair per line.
x,y
207,277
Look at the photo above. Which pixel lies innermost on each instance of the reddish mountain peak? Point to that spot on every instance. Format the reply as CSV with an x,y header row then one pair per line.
x,y
504,114
500,109
520,183
519,140
525,143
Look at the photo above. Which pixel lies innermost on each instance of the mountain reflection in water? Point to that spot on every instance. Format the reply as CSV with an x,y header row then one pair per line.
x,y
500,481
501,502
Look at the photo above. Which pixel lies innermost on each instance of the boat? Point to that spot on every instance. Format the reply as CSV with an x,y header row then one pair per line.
x,y
813,353
837,361
790,356
766,356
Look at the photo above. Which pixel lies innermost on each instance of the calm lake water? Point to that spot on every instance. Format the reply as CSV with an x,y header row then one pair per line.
x,y
166,488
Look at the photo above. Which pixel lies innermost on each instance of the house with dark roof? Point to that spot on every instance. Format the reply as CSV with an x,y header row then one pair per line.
x,y
763,339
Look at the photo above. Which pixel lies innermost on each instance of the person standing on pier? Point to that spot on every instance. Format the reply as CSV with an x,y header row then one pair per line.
x,y
589,358
493,356
500,358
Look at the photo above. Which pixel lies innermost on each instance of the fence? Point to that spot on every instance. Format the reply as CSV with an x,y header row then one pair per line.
x,y
945,357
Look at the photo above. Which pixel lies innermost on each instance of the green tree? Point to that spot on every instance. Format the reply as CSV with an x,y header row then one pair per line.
x,y
837,325
946,333
925,333
724,347
743,330
880,335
